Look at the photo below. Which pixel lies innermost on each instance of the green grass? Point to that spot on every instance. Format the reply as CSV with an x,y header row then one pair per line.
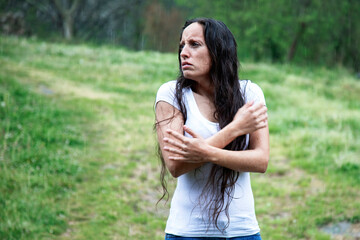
x,y
77,150
40,145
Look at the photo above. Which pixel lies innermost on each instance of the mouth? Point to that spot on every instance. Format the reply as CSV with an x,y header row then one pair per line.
x,y
185,65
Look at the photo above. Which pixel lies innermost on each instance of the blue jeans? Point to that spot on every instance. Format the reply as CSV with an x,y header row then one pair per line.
x,y
251,237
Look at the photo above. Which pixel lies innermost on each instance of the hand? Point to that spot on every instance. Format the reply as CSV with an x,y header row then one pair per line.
x,y
250,118
192,150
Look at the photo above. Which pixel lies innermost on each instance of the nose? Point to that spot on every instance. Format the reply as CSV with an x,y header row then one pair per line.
x,y
184,54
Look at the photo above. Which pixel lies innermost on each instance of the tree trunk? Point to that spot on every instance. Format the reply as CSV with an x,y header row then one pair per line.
x,y
295,41
67,15
68,23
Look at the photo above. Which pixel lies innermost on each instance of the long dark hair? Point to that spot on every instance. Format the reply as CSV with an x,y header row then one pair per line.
x,y
217,194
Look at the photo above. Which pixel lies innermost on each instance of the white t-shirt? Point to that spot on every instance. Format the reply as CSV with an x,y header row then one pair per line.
x,y
186,218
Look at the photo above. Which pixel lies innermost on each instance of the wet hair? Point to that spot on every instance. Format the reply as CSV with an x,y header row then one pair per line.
x,y
217,193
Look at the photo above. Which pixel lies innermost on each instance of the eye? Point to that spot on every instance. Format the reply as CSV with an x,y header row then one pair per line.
x,y
195,44
181,46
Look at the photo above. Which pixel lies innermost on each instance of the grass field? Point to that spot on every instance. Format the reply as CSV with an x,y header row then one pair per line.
x,y
77,149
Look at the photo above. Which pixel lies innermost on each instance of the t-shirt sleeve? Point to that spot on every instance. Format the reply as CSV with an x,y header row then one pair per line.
x,y
254,93
166,93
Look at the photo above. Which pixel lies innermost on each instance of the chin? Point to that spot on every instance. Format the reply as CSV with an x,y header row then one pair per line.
x,y
188,76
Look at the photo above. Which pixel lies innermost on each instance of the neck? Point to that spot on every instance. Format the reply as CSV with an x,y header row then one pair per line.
x,y
204,88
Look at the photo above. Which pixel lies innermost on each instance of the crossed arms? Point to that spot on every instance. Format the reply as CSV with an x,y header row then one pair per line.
x,y
183,154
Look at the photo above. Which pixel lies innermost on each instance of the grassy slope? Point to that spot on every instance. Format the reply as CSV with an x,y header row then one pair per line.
x,y
77,148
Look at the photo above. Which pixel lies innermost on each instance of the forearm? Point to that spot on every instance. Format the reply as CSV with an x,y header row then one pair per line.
x,y
248,119
177,168
253,160
225,136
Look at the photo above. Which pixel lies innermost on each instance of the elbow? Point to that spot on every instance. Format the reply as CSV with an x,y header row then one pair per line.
x,y
264,164
174,170
177,169
173,167
174,173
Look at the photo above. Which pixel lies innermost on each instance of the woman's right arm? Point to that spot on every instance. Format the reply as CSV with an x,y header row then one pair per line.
x,y
168,117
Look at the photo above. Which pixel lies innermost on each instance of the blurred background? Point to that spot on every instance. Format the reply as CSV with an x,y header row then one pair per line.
x,y
78,80
324,32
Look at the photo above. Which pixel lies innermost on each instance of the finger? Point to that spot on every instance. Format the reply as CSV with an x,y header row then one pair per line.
x,y
259,125
262,118
184,159
259,111
249,103
255,108
262,114
174,143
176,135
191,132
258,106
177,158
173,150
263,109
263,124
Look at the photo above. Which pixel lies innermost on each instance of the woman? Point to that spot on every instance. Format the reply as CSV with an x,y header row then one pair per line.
x,y
225,137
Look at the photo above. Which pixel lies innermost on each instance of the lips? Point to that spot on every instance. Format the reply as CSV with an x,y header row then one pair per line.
x,y
185,65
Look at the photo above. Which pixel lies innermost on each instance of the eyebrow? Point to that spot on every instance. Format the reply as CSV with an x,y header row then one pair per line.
x,y
193,39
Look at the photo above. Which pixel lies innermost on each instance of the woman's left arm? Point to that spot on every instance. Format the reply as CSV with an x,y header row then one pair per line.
x,y
254,159
196,149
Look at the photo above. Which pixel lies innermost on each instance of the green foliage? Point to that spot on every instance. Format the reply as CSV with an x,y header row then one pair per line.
x,y
319,31
77,149
302,31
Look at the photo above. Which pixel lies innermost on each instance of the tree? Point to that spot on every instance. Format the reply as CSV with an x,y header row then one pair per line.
x,y
301,31
162,26
67,12
107,20
301,19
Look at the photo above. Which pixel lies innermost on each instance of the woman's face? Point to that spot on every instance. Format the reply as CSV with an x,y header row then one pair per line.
x,y
194,55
